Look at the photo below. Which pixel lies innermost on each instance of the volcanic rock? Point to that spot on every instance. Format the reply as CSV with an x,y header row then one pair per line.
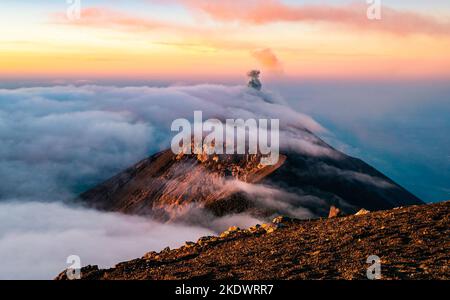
x,y
412,242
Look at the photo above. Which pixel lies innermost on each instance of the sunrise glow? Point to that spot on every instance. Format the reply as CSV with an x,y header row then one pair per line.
x,y
198,40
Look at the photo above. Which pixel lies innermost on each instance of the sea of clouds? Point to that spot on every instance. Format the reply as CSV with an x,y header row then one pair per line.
x,y
59,141
36,238
399,126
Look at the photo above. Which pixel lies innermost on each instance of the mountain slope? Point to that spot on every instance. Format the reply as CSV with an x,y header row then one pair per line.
x,y
168,186
412,243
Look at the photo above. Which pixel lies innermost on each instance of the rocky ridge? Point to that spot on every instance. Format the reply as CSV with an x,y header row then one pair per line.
x,y
412,242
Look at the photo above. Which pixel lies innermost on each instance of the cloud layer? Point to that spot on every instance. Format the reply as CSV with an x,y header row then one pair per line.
x,y
36,238
399,127
57,141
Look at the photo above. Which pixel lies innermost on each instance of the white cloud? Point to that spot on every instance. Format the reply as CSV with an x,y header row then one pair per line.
x,y
355,176
58,141
36,238
61,140
292,204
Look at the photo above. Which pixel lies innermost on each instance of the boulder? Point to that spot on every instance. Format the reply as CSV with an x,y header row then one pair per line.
x,y
281,219
233,229
334,212
149,255
206,240
189,244
269,228
362,211
256,229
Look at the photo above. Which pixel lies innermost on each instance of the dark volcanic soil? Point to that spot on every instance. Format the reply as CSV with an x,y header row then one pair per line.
x,y
412,242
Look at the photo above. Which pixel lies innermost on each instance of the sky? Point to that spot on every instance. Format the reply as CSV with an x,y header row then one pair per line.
x,y
200,39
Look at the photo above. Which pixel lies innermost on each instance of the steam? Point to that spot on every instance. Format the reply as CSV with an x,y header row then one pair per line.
x,y
268,60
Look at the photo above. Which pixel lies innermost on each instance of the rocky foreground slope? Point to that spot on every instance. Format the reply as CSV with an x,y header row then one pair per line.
x,y
412,242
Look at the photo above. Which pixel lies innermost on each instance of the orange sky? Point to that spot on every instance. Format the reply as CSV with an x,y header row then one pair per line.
x,y
221,39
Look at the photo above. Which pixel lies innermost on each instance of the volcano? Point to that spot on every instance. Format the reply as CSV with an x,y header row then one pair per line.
x,y
169,186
